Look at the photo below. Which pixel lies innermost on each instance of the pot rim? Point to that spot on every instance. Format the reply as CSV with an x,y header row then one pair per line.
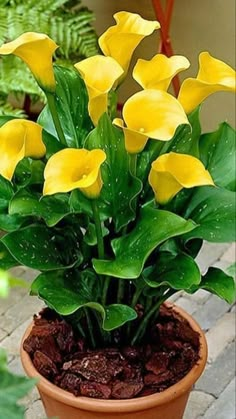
x,y
125,405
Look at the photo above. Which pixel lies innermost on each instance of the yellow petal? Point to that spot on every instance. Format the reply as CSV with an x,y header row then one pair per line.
x,y
172,172
134,140
100,74
36,50
74,169
120,41
19,138
151,114
213,76
159,71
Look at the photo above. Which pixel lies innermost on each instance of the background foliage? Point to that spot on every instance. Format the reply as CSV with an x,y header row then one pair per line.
x,y
67,22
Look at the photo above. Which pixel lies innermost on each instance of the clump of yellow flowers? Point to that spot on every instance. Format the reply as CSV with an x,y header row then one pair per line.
x,y
90,195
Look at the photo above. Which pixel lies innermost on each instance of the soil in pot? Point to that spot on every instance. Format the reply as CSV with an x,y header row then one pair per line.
x,y
123,372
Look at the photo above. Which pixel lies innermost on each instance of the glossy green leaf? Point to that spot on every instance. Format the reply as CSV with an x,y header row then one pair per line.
x,y
51,143
51,208
6,189
213,209
179,272
218,282
119,188
39,247
72,107
218,153
6,259
57,294
10,222
131,251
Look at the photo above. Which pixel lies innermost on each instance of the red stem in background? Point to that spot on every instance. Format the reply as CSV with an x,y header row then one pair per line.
x,y
164,17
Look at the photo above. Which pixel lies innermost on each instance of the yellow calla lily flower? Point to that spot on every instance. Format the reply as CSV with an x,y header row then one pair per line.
x,y
213,76
19,138
100,74
120,41
36,50
158,72
172,172
150,114
73,168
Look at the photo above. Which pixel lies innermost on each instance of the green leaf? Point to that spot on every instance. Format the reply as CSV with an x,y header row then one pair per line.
x,y
186,138
57,293
10,222
213,209
131,251
6,189
51,208
179,272
72,107
218,282
51,143
12,389
6,259
39,247
119,188
218,153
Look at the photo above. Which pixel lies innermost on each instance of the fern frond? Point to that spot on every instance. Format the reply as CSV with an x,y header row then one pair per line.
x,y
65,21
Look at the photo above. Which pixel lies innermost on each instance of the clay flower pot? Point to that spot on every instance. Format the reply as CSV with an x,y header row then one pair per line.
x,y
169,404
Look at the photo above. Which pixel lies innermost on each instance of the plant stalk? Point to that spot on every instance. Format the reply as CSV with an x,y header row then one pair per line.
x,y
133,164
98,228
56,121
90,328
143,325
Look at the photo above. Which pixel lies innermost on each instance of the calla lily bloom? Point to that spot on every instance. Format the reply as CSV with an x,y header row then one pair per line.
x,y
172,172
120,41
36,50
73,168
150,114
100,74
19,138
213,76
158,72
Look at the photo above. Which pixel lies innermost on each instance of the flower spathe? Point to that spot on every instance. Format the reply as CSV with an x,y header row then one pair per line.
x,y
172,172
150,114
73,168
158,72
19,138
100,74
119,41
213,76
36,50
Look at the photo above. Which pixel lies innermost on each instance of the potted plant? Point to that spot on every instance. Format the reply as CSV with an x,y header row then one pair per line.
x,y
112,211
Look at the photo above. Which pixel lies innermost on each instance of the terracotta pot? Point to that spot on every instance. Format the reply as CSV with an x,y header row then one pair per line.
x,y
170,404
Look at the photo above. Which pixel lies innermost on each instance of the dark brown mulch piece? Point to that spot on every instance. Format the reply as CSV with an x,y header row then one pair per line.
x,y
70,382
44,365
126,389
158,362
170,351
95,390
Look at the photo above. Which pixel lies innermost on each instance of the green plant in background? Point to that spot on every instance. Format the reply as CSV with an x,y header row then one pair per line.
x,y
112,211
66,21
12,387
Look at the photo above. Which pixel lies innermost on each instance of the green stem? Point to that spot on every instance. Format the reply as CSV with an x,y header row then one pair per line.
x,y
105,290
90,327
56,121
98,228
143,325
134,301
121,289
133,164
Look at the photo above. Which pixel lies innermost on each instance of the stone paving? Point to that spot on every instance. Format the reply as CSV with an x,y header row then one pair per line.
x,y
213,396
